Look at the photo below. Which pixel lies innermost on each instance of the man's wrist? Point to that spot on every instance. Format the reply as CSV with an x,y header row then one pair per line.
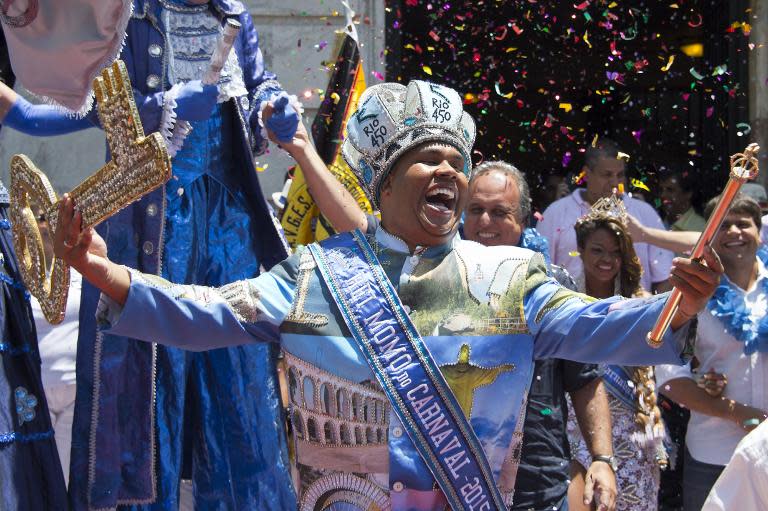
x,y
608,459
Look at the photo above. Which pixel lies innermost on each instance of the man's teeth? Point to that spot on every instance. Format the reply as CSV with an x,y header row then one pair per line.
x,y
735,244
487,235
450,194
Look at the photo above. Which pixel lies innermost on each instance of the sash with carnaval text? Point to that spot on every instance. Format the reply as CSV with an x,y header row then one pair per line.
x,y
616,379
406,371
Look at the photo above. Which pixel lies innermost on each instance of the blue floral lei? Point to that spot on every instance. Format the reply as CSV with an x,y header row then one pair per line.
x,y
727,304
533,240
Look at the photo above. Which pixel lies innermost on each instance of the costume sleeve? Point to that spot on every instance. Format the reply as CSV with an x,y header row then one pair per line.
x,y
659,260
42,120
576,375
573,326
199,318
668,372
260,82
744,482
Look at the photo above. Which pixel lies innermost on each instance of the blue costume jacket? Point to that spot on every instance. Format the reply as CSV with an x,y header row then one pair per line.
x,y
148,415
30,472
485,314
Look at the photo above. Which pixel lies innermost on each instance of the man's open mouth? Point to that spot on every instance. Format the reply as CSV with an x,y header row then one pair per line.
x,y
441,198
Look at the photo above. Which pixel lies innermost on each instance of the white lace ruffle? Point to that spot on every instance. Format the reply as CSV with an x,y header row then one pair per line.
x,y
192,39
231,83
173,130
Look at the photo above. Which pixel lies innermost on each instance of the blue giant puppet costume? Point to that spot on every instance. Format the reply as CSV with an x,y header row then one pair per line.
x,y
30,471
408,370
145,414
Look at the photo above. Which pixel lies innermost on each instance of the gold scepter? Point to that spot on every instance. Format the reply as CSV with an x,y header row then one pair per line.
x,y
139,164
743,168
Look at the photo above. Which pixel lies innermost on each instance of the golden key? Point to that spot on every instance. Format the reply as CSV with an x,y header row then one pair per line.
x,y
139,164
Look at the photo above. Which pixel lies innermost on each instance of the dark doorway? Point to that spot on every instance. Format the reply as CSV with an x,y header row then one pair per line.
x,y
667,80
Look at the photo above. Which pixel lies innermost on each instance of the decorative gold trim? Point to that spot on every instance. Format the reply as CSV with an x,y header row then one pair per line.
x,y
561,296
297,315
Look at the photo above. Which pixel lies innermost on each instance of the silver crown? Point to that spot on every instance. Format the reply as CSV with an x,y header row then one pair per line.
x,y
610,207
391,119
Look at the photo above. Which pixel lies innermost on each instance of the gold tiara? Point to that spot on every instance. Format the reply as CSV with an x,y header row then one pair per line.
x,y
608,207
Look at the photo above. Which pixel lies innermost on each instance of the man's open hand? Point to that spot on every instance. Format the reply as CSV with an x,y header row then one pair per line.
x,y
600,487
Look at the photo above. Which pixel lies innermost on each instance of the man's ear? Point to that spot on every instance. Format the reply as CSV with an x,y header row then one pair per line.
x,y
386,186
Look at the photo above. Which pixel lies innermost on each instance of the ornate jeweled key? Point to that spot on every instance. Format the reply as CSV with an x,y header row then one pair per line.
x,y
139,164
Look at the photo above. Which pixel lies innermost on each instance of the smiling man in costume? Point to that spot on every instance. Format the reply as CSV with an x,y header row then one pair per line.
x,y
399,342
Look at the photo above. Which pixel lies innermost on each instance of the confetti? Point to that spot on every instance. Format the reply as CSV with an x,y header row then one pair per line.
x,y
573,253
744,129
669,63
585,70
696,74
427,70
699,20
507,95
546,411
636,183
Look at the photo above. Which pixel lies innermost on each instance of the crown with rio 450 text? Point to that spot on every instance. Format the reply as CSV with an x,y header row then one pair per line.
x,y
392,118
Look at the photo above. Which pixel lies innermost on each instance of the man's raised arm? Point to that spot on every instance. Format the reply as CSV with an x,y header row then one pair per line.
x,y
334,201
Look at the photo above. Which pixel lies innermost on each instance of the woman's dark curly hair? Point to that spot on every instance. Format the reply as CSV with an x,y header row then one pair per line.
x,y
631,270
648,416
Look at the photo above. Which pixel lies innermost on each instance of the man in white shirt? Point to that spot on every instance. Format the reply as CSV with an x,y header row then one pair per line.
x,y
744,482
57,345
605,171
732,339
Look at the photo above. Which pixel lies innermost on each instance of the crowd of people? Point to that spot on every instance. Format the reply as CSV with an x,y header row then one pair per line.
x,y
466,347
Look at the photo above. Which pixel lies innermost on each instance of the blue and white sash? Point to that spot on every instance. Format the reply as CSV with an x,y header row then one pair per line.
x,y
406,371
617,380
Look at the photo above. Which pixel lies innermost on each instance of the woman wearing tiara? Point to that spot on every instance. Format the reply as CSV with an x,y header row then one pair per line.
x,y
611,267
